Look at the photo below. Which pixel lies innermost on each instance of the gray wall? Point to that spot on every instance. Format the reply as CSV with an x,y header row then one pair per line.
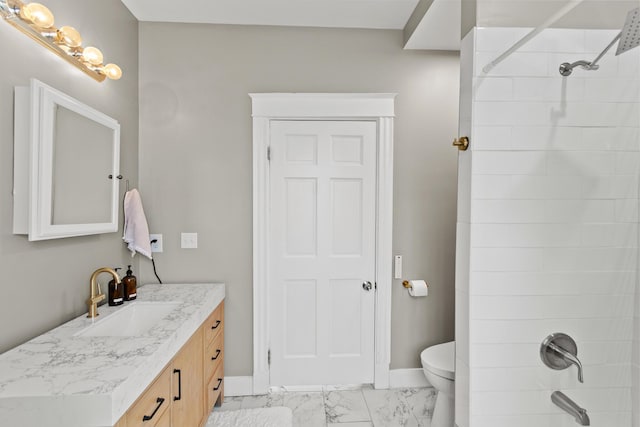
x,y
196,164
46,283
468,16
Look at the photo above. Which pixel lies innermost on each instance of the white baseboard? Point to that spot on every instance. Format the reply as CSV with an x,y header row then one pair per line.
x,y
399,378
238,386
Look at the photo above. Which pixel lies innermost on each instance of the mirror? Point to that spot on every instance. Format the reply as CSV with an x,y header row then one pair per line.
x,y
66,165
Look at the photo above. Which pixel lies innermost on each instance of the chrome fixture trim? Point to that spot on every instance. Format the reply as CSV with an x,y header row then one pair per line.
x,y
563,402
559,351
629,38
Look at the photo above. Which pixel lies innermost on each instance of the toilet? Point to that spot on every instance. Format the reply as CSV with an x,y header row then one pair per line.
x,y
438,365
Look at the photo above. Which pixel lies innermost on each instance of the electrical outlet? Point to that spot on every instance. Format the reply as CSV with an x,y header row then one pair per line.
x,y
157,245
189,240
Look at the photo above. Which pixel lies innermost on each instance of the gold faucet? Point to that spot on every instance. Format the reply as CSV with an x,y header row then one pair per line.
x,y
95,295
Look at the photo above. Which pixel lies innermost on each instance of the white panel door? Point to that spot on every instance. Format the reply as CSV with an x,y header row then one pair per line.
x,y
322,246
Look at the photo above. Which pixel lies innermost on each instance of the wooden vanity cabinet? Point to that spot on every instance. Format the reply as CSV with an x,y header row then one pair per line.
x,y
214,358
187,408
190,386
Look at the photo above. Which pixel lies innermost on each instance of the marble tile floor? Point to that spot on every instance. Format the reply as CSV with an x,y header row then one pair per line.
x,y
363,407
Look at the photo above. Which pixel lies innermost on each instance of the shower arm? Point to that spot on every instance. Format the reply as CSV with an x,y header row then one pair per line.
x,y
606,49
566,68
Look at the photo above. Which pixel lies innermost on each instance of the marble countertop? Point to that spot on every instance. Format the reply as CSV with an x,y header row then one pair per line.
x,y
59,379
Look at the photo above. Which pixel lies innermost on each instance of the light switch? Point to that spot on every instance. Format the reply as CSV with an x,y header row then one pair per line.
x,y
189,240
397,267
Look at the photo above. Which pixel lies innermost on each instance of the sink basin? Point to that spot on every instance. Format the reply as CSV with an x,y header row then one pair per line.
x,y
132,320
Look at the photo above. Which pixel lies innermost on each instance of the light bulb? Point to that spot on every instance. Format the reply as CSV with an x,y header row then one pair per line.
x,y
38,14
92,55
112,71
69,36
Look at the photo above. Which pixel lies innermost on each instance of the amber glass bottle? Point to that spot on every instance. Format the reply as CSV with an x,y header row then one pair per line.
x,y
116,291
130,285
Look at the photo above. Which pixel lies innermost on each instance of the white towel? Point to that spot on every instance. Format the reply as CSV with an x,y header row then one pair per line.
x,y
136,230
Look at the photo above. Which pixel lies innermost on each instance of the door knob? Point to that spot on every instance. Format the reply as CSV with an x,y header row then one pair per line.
x,y
462,143
367,286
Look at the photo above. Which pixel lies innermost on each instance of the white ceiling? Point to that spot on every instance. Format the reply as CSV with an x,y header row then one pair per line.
x,y
438,29
382,14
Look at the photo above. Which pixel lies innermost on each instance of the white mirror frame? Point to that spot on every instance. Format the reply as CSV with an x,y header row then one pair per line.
x,y
33,163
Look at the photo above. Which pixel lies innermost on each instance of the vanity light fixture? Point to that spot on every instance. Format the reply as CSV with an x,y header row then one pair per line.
x,y
37,22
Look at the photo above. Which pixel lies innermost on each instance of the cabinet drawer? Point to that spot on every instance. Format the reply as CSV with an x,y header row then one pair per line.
x,y
150,408
213,356
215,388
214,325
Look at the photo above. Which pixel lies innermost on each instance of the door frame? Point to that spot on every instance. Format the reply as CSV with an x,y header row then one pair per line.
x,y
378,107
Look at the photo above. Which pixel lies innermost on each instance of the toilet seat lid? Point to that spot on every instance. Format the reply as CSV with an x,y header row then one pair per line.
x,y
440,359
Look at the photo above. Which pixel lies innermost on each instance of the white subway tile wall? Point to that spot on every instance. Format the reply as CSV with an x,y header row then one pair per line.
x,y
548,241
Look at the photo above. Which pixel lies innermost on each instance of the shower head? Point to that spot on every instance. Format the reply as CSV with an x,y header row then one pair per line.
x,y
630,34
628,38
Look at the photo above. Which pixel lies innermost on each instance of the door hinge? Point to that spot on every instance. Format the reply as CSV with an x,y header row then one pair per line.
x,y
269,357
375,286
269,153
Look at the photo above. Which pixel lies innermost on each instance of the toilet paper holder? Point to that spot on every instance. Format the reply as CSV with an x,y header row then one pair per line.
x,y
416,288
407,284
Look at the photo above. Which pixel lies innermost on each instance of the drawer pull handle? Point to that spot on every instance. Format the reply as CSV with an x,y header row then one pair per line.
x,y
217,324
179,397
216,388
159,401
217,355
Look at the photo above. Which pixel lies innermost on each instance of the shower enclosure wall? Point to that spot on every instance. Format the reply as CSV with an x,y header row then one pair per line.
x,y
547,229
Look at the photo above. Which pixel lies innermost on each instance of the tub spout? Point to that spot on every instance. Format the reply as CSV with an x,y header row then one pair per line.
x,y
563,402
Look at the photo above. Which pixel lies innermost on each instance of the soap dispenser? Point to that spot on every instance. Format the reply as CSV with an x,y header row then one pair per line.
x,y
130,285
116,291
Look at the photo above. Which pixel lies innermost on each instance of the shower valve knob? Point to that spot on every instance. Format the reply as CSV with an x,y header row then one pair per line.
x,y
559,351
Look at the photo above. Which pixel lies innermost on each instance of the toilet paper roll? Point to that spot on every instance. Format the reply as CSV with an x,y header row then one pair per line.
x,y
418,288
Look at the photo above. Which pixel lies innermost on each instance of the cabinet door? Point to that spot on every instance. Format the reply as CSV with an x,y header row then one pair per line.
x,y
153,404
165,421
188,400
